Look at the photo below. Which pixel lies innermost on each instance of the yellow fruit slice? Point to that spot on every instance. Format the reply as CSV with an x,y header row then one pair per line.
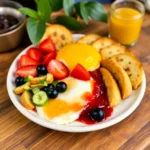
x,y
20,89
37,79
49,78
40,86
26,99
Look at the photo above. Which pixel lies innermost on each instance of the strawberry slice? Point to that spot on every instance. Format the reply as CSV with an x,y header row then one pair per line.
x,y
27,70
25,61
47,46
57,69
49,57
80,72
35,54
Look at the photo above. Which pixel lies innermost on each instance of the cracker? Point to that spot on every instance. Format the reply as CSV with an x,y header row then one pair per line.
x,y
132,66
112,50
119,75
60,35
113,91
103,43
89,38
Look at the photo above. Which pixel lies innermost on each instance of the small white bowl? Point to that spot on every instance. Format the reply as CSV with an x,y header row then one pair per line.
x,y
120,112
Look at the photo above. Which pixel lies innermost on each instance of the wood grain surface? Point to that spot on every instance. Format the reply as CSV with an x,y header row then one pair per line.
x,y
133,133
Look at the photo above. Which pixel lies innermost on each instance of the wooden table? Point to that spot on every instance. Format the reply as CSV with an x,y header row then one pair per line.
x,y
133,133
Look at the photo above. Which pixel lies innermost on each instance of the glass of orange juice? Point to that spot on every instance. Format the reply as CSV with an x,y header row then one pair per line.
x,y
126,19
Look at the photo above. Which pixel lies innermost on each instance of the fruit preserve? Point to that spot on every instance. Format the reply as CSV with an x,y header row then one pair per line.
x,y
98,99
7,21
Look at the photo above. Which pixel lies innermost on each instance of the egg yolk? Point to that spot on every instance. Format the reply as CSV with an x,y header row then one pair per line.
x,y
83,54
58,107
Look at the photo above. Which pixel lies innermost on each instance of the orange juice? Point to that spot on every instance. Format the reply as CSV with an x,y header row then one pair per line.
x,y
125,25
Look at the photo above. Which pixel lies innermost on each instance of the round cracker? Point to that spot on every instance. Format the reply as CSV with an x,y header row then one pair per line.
x,y
60,35
112,50
132,66
89,38
113,91
119,75
103,43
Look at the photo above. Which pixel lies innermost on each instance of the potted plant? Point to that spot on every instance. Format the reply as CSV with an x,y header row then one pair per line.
x,y
36,24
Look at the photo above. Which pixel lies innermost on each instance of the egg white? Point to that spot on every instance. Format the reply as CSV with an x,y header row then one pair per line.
x,y
75,90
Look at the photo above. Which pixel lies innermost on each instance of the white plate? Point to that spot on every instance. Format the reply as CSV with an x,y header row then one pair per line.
x,y
120,112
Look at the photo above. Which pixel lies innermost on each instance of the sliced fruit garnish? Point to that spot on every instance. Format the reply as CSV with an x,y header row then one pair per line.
x,y
27,70
20,89
40,98
25,61
57,69
49,57
49,78
35,90
28,78
37,79
40,86
42,82
80,72
27,88
26,99
35,54
47,46
55,82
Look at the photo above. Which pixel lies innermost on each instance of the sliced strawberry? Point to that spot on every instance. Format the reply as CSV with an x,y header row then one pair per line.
x,y
57,69
49,57
80,72
26,60
27,70
35,54
47,46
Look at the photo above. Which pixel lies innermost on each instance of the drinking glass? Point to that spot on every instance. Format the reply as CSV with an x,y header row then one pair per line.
x,y
126,19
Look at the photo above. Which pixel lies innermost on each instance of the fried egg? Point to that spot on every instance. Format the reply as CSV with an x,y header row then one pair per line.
x,y
67,107
84,54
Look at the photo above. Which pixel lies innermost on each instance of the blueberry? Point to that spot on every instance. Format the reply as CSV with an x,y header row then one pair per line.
x,y
61,87
52,93
19,81
41,70
51,86
97,114
44,89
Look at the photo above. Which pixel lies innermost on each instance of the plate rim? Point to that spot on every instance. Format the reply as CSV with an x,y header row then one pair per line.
x,y
66,128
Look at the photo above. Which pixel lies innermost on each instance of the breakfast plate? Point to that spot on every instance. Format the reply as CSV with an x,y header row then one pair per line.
x,y
120,112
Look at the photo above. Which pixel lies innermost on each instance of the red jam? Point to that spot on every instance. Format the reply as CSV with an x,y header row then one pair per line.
x,y
98,99
34,109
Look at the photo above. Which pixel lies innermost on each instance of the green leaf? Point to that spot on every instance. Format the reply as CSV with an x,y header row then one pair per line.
x,y
70,22
44,9
97,11
81,10
29,12
36,1
77,7
36,29
68,6
56,4
84,12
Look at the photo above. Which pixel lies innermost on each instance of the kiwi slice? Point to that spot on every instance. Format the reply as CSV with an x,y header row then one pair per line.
x,y
40,98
